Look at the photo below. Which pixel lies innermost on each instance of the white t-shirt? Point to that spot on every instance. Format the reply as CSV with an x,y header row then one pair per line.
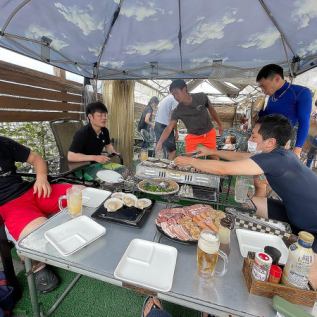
x,y
164,109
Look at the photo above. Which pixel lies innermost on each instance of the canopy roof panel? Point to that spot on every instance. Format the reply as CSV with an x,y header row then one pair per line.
x,y
122,39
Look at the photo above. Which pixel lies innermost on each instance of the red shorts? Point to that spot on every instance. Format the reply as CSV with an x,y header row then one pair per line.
x,y
208,139
19,212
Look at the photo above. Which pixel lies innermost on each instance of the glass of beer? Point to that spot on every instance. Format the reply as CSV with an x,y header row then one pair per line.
x,y
74,201
208,253
144,154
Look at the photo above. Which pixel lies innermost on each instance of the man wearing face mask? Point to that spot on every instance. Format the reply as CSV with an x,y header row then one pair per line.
x,y
289,178
292,101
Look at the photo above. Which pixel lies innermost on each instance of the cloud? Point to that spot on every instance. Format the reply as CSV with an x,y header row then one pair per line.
x,y
202,61
36,32
94,50
140,12
213,30
310,49
262,40
80,17
112,64
147,48
304,11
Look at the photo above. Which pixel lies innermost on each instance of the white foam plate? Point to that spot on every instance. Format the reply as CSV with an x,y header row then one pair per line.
x,y
256,241
109,176
93,197
148,264
74,234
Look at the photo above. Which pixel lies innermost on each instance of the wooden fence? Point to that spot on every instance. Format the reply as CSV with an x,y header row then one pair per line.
x,y
30,95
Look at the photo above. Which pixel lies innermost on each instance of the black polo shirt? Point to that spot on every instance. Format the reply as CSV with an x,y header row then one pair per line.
x,y
86,141
11,184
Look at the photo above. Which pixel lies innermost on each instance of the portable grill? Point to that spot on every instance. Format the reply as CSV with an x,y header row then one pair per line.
x,y
183,177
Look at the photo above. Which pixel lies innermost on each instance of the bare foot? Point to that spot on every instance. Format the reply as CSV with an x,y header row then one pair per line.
x,y
152,301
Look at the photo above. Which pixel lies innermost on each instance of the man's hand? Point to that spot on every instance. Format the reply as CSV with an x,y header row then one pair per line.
x,y
183,161
220,129
42,187
204,151
297,151
101,158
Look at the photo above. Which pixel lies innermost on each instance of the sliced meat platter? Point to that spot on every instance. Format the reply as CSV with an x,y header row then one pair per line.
x,y
186,223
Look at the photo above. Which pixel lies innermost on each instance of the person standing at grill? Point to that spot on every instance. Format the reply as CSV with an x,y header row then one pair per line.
x,y
195,111
162,119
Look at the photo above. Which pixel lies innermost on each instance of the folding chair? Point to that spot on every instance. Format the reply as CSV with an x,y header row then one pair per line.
x,y
63,131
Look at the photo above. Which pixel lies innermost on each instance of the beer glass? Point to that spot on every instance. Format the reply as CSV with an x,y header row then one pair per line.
x,y
74,201
208,253
144,154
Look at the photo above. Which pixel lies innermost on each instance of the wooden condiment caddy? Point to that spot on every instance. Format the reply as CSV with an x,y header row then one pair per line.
x,y
292,294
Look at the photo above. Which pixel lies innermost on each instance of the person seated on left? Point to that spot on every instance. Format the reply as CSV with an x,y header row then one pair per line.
x,y
89,141
24,206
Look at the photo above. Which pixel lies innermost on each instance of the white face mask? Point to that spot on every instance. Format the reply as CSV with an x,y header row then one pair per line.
x,y
252,147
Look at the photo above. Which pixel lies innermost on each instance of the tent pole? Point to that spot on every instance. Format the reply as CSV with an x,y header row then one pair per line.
x,y
114,19
270,15
14,12
283,38
180,34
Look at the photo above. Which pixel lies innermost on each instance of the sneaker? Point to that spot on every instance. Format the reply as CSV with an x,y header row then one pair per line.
x,y
45,280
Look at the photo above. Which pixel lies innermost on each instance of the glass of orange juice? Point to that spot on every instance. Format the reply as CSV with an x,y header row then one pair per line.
x,y
74,201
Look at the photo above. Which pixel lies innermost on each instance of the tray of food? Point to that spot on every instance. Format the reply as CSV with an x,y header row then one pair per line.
x,y
158,186
184,224
124,208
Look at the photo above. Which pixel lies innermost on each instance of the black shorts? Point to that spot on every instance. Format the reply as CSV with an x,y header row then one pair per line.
x,y
169,145
276,210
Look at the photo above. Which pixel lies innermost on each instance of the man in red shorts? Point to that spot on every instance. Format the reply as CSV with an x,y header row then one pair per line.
x,y
196,111
24,206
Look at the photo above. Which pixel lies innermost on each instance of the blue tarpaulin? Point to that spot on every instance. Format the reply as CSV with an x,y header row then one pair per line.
x,y
113,39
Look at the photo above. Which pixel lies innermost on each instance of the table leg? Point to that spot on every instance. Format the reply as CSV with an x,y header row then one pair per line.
x,y
32,288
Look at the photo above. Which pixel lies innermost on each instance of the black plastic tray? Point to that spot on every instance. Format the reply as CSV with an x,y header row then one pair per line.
x,y
160,230
130,216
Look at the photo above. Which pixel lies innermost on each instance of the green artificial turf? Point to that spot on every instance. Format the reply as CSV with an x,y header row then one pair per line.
x,y
90,297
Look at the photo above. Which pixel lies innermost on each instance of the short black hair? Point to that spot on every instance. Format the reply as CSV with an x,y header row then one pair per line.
x,y
268,71
93,107
275,126
177,83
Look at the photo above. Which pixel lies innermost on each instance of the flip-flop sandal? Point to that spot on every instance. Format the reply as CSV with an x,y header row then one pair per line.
x,y
45,280
154,306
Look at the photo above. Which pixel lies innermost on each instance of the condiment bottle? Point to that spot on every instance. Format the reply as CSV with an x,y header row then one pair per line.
x,y
261,266
299,262
225,227
275,274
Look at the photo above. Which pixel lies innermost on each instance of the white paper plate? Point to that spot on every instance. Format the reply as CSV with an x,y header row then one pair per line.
x,y
109,176
256,241
75,234
148,264
93,197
